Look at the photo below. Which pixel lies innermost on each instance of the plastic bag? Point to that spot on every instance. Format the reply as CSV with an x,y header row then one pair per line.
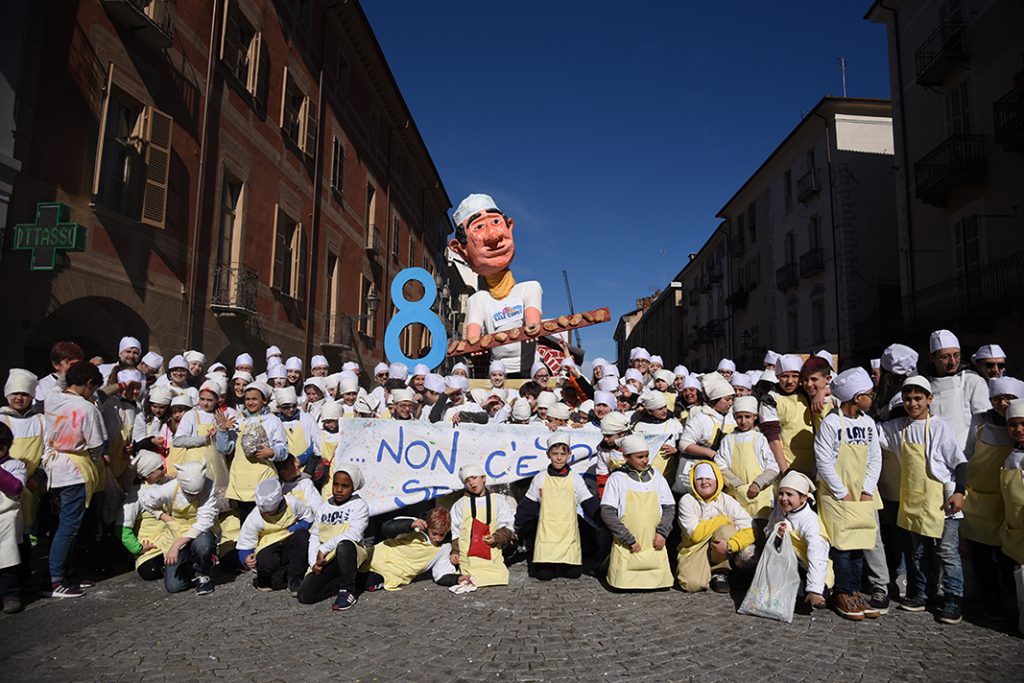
x,y
776,582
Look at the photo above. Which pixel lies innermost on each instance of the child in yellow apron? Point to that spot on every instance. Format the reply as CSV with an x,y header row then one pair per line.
x,y
637,508
27,429
717,533
300,428
264,436
1011,484
988,445
614,426
746,462
705,428
413,547
335,549
848,460
933,476
481,525
274,539
143,535
195,438
551,502
13,478
330,436
786,417
793,514
655,419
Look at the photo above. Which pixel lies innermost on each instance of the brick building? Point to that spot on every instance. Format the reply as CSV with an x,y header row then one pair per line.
x,y
246,173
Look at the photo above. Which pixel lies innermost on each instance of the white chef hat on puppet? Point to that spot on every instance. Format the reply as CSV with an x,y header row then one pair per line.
x,y
474,203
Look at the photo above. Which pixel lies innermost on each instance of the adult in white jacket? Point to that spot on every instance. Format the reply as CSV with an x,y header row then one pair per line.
x,y
957,393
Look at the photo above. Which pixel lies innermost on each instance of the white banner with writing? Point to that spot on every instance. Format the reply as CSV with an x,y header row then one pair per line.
x,y
408,462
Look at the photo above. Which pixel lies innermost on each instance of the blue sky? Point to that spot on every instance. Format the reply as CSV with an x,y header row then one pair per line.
x,y
613,132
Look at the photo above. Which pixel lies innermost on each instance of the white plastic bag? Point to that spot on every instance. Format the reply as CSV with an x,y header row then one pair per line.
x,y
776,581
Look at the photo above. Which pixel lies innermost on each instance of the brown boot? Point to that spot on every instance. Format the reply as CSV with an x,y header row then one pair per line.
x,y
847,607
868,611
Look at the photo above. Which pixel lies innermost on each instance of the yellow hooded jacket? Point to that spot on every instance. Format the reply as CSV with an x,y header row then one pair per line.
x,y
699,519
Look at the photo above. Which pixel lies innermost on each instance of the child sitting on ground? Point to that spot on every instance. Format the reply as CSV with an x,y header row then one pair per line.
x,y
794,514
274,538
481,524
295,482
551,503
637,508
747,463
413,546
716,533
335,549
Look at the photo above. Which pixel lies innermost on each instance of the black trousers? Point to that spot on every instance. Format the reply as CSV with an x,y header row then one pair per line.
x,y
545,571
337,575
280,561
152,569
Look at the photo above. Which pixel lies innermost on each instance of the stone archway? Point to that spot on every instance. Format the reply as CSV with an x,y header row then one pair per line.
x,y
95,323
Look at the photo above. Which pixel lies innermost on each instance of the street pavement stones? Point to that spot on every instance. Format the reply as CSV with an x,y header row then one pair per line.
x,y
128,630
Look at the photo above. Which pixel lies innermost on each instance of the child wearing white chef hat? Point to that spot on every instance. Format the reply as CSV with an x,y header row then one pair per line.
x,y
794,513
481,525
274,539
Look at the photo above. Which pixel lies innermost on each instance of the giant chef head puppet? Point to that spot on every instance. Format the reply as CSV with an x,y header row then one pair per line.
x,y
483,238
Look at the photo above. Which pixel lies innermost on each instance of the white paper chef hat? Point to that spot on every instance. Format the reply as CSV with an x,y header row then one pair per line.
x,y
744,404
614,423
153,360
269,495
21,381
398,371
474,203
942,339
129,343
318,361
849,383
496,366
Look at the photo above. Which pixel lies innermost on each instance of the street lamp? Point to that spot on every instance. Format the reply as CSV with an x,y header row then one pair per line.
x,y
372,302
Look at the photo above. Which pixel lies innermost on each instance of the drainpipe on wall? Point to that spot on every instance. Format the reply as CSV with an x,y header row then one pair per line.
x,y
193,263
835,248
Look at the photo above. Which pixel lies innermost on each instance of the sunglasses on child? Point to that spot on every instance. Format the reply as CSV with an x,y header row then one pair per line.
x,y
999,366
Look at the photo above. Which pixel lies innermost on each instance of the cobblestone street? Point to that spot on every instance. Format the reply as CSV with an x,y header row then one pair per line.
x,y
124,630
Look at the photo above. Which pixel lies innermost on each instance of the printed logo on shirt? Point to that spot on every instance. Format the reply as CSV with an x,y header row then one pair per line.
x,y
507,313
335,516
858,435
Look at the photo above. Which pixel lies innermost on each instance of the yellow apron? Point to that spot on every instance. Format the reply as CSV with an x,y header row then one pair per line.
x,y
327,449
216,468
648,568
797,426
922,498
230,528
184,515
558,532
400,560
800,546
744,464
275,528
90,472
118,458
983,505
29,450
327,532
889,479
850,525
149,528
1011,533
693,562
246,473
297,442
485,572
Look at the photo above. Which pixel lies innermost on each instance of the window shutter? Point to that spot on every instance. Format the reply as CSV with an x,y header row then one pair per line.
x,y
101,138
158,167
280,247
228,30
300,267
284,96
259,70
310,122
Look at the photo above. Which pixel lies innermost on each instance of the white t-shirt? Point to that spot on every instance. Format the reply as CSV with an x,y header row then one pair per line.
x,y
73,424
495,315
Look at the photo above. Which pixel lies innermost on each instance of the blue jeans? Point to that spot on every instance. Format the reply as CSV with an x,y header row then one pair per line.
x,y
72,510
926,553
194,559
848,565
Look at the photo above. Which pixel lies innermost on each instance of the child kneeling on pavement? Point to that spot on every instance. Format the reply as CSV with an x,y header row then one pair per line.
x,y
335,548
274,538
717,533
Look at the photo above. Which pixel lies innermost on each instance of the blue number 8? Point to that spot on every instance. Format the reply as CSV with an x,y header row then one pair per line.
x,y
410,312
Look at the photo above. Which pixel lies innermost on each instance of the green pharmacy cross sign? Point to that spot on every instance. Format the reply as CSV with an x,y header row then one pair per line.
x,y
52,232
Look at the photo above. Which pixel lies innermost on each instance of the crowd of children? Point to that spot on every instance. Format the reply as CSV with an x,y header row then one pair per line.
x,y
872,472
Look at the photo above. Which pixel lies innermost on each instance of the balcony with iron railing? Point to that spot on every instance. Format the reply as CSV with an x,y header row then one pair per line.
x,y
374,243
812,261
738,299
942,53
234,290
151,21
785,277
959,160
1008,111
980,293
807,186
